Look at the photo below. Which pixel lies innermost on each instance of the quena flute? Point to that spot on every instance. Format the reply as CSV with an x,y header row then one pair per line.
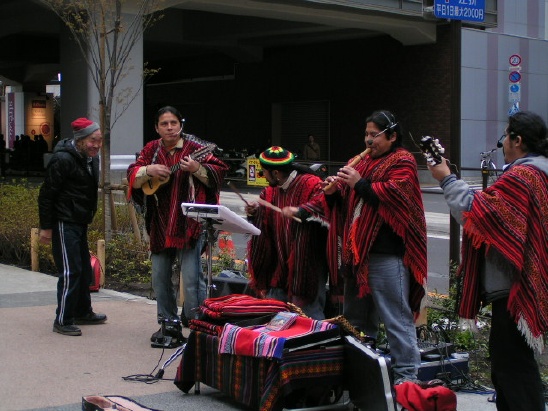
x,y
354,161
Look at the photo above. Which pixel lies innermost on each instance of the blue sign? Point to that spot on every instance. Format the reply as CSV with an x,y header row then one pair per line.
x,y
468,10
514,77
514,109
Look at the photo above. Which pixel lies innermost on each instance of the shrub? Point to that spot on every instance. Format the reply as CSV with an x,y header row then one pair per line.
x,y
128,265
19,205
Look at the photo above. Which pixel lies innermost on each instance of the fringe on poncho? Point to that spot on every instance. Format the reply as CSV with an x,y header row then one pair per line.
x,y
512,217
354,224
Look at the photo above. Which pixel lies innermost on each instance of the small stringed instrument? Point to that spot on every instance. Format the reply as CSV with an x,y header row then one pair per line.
x,y
432,150
154,183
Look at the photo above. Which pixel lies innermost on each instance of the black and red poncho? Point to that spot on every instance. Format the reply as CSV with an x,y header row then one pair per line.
x,y
165,222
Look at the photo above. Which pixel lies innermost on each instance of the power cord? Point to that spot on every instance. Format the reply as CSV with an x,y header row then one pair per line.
x,y
148,378
154,378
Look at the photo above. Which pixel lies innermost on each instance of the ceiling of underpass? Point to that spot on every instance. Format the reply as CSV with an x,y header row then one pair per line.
x,y
205,37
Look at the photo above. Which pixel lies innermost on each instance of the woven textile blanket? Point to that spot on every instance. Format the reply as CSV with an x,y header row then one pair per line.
x,y
258,383
260,343
240,305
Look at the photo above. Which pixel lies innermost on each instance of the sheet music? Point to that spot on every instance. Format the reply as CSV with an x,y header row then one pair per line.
x,y
222,218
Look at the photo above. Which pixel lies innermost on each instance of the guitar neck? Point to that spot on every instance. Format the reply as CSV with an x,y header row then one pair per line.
x,y
175,167
200,152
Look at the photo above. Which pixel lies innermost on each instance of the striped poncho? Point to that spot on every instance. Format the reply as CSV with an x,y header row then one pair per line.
x,y
288,254
512,217
354,223
165,222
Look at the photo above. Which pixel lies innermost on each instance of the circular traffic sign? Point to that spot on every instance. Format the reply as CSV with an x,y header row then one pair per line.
x,y
514,76
514,88
515,60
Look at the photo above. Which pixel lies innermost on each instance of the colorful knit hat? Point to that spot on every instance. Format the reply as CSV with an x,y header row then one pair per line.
x,y
82,127
276,157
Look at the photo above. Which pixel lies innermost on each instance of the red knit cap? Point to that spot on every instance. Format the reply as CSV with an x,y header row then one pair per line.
x,y
276,156
83,127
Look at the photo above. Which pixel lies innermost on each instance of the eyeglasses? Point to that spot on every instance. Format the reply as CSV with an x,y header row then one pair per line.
x,y
501,139
369,134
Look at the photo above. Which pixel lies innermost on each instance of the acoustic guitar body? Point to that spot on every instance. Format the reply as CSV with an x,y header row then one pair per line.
x,y
153,184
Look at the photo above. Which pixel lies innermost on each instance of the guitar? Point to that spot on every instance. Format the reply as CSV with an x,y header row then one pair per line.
x,y
154,183
432,150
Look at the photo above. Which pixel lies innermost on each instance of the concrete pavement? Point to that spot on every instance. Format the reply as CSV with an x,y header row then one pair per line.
x,y
42,370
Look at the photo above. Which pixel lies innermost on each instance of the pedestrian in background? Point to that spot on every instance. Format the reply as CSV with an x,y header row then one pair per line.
x,y
311,149
505,258
67,204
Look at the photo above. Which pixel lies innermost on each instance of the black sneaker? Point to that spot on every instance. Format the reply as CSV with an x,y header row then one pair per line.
x,y
90,318
69,329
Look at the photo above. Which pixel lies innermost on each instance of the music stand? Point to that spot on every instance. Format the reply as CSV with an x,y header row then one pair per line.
x,y
217,218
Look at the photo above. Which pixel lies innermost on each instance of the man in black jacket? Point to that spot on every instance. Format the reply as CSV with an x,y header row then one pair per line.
x,y
67,203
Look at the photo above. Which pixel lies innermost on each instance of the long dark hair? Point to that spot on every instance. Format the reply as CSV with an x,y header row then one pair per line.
x,y
532,129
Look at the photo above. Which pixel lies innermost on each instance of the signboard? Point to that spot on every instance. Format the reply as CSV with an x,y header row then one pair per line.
x,y
253,169
514,76
515,60
467,10
514,93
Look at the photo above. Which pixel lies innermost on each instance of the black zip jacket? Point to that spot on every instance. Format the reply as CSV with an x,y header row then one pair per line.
x,y
69,191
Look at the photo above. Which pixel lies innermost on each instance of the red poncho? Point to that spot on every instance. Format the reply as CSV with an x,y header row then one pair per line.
x,y
354,224
165,222
288,254
512,217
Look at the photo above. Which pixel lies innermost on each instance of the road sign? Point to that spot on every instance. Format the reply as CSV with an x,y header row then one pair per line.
x,y
514,92
514,77
515,60
468,10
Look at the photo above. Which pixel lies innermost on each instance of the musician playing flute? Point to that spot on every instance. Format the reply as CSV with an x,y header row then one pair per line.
x,y
378,234
182,179
287,261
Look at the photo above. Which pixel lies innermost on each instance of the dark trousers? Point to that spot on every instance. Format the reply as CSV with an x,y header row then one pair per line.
x,y
514,369
71,255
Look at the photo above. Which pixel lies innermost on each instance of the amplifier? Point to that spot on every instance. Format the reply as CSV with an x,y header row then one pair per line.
x,y
447,369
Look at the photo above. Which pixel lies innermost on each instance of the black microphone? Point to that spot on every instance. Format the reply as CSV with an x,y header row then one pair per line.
x,y
499,144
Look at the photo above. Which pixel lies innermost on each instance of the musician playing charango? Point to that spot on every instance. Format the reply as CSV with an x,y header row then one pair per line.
x,y
287,261
378,233
168,161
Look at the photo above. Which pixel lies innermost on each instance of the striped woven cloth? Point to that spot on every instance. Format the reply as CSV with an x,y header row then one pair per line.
x,y
240,305
258,343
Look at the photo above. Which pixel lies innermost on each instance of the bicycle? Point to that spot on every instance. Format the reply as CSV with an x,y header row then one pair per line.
x,y
489,171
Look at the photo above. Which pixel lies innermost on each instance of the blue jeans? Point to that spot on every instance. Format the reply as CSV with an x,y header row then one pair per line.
x,y
389,281
194,283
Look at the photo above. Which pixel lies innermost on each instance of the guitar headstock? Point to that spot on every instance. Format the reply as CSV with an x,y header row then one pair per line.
x,y
203,152
432,150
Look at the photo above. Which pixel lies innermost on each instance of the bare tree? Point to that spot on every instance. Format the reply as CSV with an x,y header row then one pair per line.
x,y
106,35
